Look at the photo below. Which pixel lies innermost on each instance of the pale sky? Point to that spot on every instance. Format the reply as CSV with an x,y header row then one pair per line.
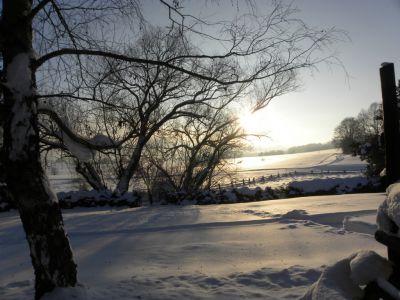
x,y
327,97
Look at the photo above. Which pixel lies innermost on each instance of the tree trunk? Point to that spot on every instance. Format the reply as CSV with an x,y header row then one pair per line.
x,y
39,210
91,176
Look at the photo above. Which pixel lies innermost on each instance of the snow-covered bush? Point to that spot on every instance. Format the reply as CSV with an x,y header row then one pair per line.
x,y
224,196
73,199
95,198
329,186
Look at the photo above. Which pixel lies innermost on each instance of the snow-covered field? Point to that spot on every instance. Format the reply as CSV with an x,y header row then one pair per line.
x,y
331,159
325,164
262,250
318,170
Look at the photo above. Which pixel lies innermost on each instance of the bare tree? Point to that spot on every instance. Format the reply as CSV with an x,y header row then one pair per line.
x,y
49,46
136,100
362,136
370,120
54,140
347,135
190,152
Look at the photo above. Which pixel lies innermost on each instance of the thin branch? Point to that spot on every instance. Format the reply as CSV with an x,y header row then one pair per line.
x,y
71,51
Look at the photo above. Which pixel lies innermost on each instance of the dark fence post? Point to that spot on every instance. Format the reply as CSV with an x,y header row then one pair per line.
x,y
390,122
392,150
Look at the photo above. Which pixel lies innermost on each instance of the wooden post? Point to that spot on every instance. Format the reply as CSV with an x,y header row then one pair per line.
x,y
392,162
390,122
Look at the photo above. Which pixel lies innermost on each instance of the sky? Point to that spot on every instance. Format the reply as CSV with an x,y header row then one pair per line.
x,y
329,95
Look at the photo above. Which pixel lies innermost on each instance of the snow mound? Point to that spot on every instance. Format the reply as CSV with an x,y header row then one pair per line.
x,y
294,214
338,185
102,140
78,293
367,266
388,216
360,226
343,279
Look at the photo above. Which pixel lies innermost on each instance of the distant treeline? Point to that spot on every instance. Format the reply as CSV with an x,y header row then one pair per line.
x,y
273,152
300,149
310,147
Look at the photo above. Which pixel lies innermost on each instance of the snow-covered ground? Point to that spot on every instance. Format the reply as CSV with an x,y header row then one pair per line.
x,y
331,159
262,250
317,170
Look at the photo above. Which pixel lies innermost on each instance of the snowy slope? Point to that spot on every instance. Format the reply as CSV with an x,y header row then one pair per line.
x,y
310,171
331,159
262,250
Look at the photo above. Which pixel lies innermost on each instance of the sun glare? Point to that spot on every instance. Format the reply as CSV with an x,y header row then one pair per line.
x,y
274,127
250,123
254,125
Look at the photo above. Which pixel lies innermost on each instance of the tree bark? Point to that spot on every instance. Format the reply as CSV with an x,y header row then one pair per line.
x,y
39,210
132,167
91,176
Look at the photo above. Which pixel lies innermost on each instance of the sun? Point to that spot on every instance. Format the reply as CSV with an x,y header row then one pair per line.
x,y
251,123
270,128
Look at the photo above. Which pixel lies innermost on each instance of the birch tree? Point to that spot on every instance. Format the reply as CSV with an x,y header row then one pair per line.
x,y
46,46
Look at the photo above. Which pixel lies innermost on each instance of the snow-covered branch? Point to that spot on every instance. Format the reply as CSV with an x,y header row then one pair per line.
x,y
98,142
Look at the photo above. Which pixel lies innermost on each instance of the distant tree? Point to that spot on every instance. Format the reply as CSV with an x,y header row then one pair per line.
x,y
370,120
361,136
272,152
371,148
348,135
310,147
189,156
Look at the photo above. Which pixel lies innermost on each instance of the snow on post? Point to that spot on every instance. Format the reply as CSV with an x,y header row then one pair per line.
x,y
389,210
344,279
